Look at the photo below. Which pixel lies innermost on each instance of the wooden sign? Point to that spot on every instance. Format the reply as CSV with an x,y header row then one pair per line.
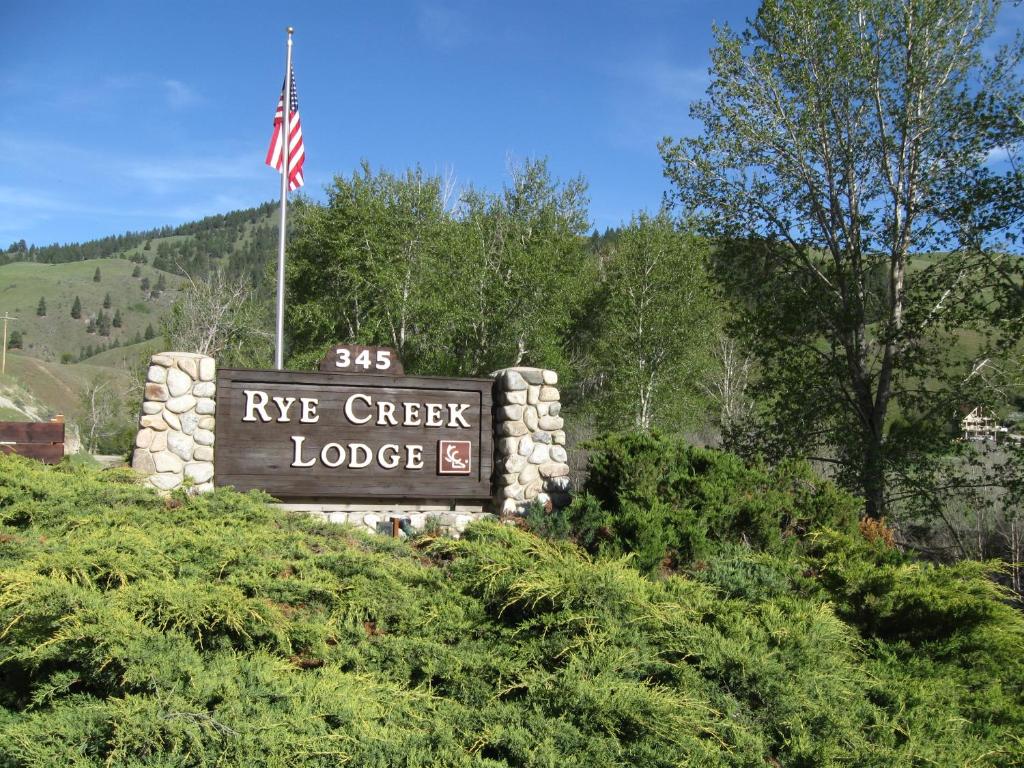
x,y
355,437
355,358
37,440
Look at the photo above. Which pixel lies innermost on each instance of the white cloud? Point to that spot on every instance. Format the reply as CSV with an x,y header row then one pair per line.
x,y
178,95
651,98
160,172
441,26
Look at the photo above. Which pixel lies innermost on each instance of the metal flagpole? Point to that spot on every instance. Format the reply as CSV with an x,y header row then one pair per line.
x,y
285,152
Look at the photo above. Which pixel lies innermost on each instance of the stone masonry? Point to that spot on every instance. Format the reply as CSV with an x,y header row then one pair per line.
x,y
174,444
530,459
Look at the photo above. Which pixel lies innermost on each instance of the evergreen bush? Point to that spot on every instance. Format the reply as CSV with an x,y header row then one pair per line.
x,y
217,630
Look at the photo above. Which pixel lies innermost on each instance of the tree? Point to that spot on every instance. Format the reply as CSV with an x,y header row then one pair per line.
x,y
76,308
150,333
220,318
364,265
137,271
15,340
103,324
91,326
41,307
102,412
117,321
96,276
833,131
525,271
657,323
107,301
144,285
376,266
161,284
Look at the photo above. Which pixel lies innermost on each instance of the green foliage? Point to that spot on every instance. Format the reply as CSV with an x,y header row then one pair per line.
x,y
379,262
653,323
670,504
41,307
825,162
218,631
97,276
76,308
15,340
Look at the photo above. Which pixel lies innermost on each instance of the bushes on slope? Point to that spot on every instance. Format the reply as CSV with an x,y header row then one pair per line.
x,y
218,631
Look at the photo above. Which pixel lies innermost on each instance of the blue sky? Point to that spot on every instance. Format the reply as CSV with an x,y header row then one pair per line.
x,y
134,115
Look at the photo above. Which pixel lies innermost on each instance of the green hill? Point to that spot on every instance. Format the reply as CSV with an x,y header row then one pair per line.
x,y
56,355
57,334
132,267
220,631
39,390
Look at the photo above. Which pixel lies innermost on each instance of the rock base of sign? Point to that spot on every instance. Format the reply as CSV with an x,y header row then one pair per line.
x,y
530,459
412,519
174,444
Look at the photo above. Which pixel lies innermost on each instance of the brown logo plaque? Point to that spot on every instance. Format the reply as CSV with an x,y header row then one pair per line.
x,y
454,457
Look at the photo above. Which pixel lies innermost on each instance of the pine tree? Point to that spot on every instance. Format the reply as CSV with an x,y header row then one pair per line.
x,y
137,272
103,324
137,338
150,333
15,340
161,284
41,308
76,308
144,285
91,327
117,318
106,301
96,276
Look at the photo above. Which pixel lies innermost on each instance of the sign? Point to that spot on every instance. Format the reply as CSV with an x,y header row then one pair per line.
x,y
360,436
355,358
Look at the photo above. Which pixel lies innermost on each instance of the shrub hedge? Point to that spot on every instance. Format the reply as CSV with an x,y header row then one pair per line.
x,y
216,630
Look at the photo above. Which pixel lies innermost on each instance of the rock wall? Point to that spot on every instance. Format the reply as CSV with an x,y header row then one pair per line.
x,y
174,444
530,459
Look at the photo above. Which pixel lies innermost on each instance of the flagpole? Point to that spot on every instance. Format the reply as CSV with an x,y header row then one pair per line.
x,y
285,152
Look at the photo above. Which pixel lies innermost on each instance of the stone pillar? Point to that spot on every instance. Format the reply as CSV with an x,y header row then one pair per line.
x,y
530,459
176,427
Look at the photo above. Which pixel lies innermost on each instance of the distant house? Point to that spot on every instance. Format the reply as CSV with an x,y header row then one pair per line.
x,y
980,426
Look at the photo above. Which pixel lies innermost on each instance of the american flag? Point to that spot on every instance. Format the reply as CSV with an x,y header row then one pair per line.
x,y
296,152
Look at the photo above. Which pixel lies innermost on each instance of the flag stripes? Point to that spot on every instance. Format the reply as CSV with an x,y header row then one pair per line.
x,y
296,150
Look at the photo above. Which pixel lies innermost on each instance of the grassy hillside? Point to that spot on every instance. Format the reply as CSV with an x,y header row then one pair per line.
x,y
239,243
22,284
219,631
131,267
40,390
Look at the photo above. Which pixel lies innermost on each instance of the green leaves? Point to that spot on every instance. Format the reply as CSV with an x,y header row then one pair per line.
x,y
653,326
455,286
216,630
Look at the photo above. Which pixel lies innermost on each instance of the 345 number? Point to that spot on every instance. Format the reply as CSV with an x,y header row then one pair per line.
x,y
355,358
381,359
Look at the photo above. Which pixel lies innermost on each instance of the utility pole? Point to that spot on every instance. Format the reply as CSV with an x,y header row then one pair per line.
x,y
3,359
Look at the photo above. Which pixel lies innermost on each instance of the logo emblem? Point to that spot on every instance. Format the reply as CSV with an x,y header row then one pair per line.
x,y
454,457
